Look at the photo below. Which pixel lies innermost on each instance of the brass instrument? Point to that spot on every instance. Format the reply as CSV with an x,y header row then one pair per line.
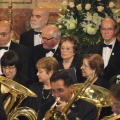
x,y
57,115
97,95
114,116
13,94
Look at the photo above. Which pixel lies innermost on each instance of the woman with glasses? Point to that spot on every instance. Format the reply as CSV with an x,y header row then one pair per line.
x,y
70,60
11,66
93,65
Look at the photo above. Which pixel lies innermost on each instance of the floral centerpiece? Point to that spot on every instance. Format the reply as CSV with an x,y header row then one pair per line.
x,y
82,18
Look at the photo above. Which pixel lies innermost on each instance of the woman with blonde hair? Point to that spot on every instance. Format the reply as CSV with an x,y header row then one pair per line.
x,y
46,66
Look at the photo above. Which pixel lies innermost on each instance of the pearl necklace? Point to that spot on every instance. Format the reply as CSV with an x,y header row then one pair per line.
x,y
47,95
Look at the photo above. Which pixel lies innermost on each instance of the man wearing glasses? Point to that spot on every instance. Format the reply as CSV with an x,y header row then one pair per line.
x,y
62,87
109,49
6,44
49,47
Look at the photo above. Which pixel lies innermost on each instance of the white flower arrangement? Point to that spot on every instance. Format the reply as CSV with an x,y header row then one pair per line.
x,y
82,19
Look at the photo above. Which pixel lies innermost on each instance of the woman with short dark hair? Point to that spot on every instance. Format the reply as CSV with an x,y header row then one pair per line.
x,y
11,66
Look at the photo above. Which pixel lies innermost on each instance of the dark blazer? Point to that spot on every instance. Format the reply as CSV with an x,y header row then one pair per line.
x,y
37,53
113,66
2,112
76,63
23,52
35,103
102,82
82,110
27,39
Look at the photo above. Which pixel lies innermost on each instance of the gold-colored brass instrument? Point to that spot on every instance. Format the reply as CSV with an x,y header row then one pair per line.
x,y
13,94
112,117
97,95
57,115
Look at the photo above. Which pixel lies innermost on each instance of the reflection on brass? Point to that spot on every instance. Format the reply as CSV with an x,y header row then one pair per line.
x,y
112,117
57,115
97,95
13,94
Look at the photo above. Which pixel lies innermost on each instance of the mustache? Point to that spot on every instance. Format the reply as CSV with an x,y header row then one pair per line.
x,y
32,22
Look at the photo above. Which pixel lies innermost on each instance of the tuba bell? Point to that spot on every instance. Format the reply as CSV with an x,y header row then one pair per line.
x,y
13,94
53,114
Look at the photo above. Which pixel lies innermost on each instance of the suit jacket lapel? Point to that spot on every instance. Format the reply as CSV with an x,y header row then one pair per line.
x,y
31,38
115,49
100,49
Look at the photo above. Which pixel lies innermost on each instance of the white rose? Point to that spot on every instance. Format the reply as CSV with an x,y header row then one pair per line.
x,y
100,8
87,6
65,3
71,4
60,26
71,26
111,4
91,30
79,7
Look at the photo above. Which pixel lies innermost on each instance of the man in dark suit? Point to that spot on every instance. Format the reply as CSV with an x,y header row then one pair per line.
x,y
6,44
38,20
49,47
109,49
62,87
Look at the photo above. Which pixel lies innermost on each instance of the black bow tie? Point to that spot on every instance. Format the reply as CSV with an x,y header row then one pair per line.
x,y
6,48
36,33
105,45
53,50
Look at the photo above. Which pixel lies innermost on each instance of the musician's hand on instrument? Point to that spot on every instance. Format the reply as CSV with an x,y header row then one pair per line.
x,y
61,105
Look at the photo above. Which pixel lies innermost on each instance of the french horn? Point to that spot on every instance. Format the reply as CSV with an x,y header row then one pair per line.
x,y
13,94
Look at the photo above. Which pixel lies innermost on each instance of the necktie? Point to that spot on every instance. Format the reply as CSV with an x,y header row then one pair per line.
x,y
36,33
105,45
6,48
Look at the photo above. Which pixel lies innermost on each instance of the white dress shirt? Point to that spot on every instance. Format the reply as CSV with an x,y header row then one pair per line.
x,y
37,39
107,53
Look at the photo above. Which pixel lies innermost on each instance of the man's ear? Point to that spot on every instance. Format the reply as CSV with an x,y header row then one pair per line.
x,y
72,87
12,34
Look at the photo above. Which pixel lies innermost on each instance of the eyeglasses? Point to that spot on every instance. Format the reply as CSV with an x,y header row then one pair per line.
x,y
46,39
60,90
8,67
4,34
84,66
107,29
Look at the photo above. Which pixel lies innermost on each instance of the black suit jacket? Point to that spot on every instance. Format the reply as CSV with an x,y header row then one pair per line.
x,y
23,52
76,63
27,39
113,66
37,53
81,109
